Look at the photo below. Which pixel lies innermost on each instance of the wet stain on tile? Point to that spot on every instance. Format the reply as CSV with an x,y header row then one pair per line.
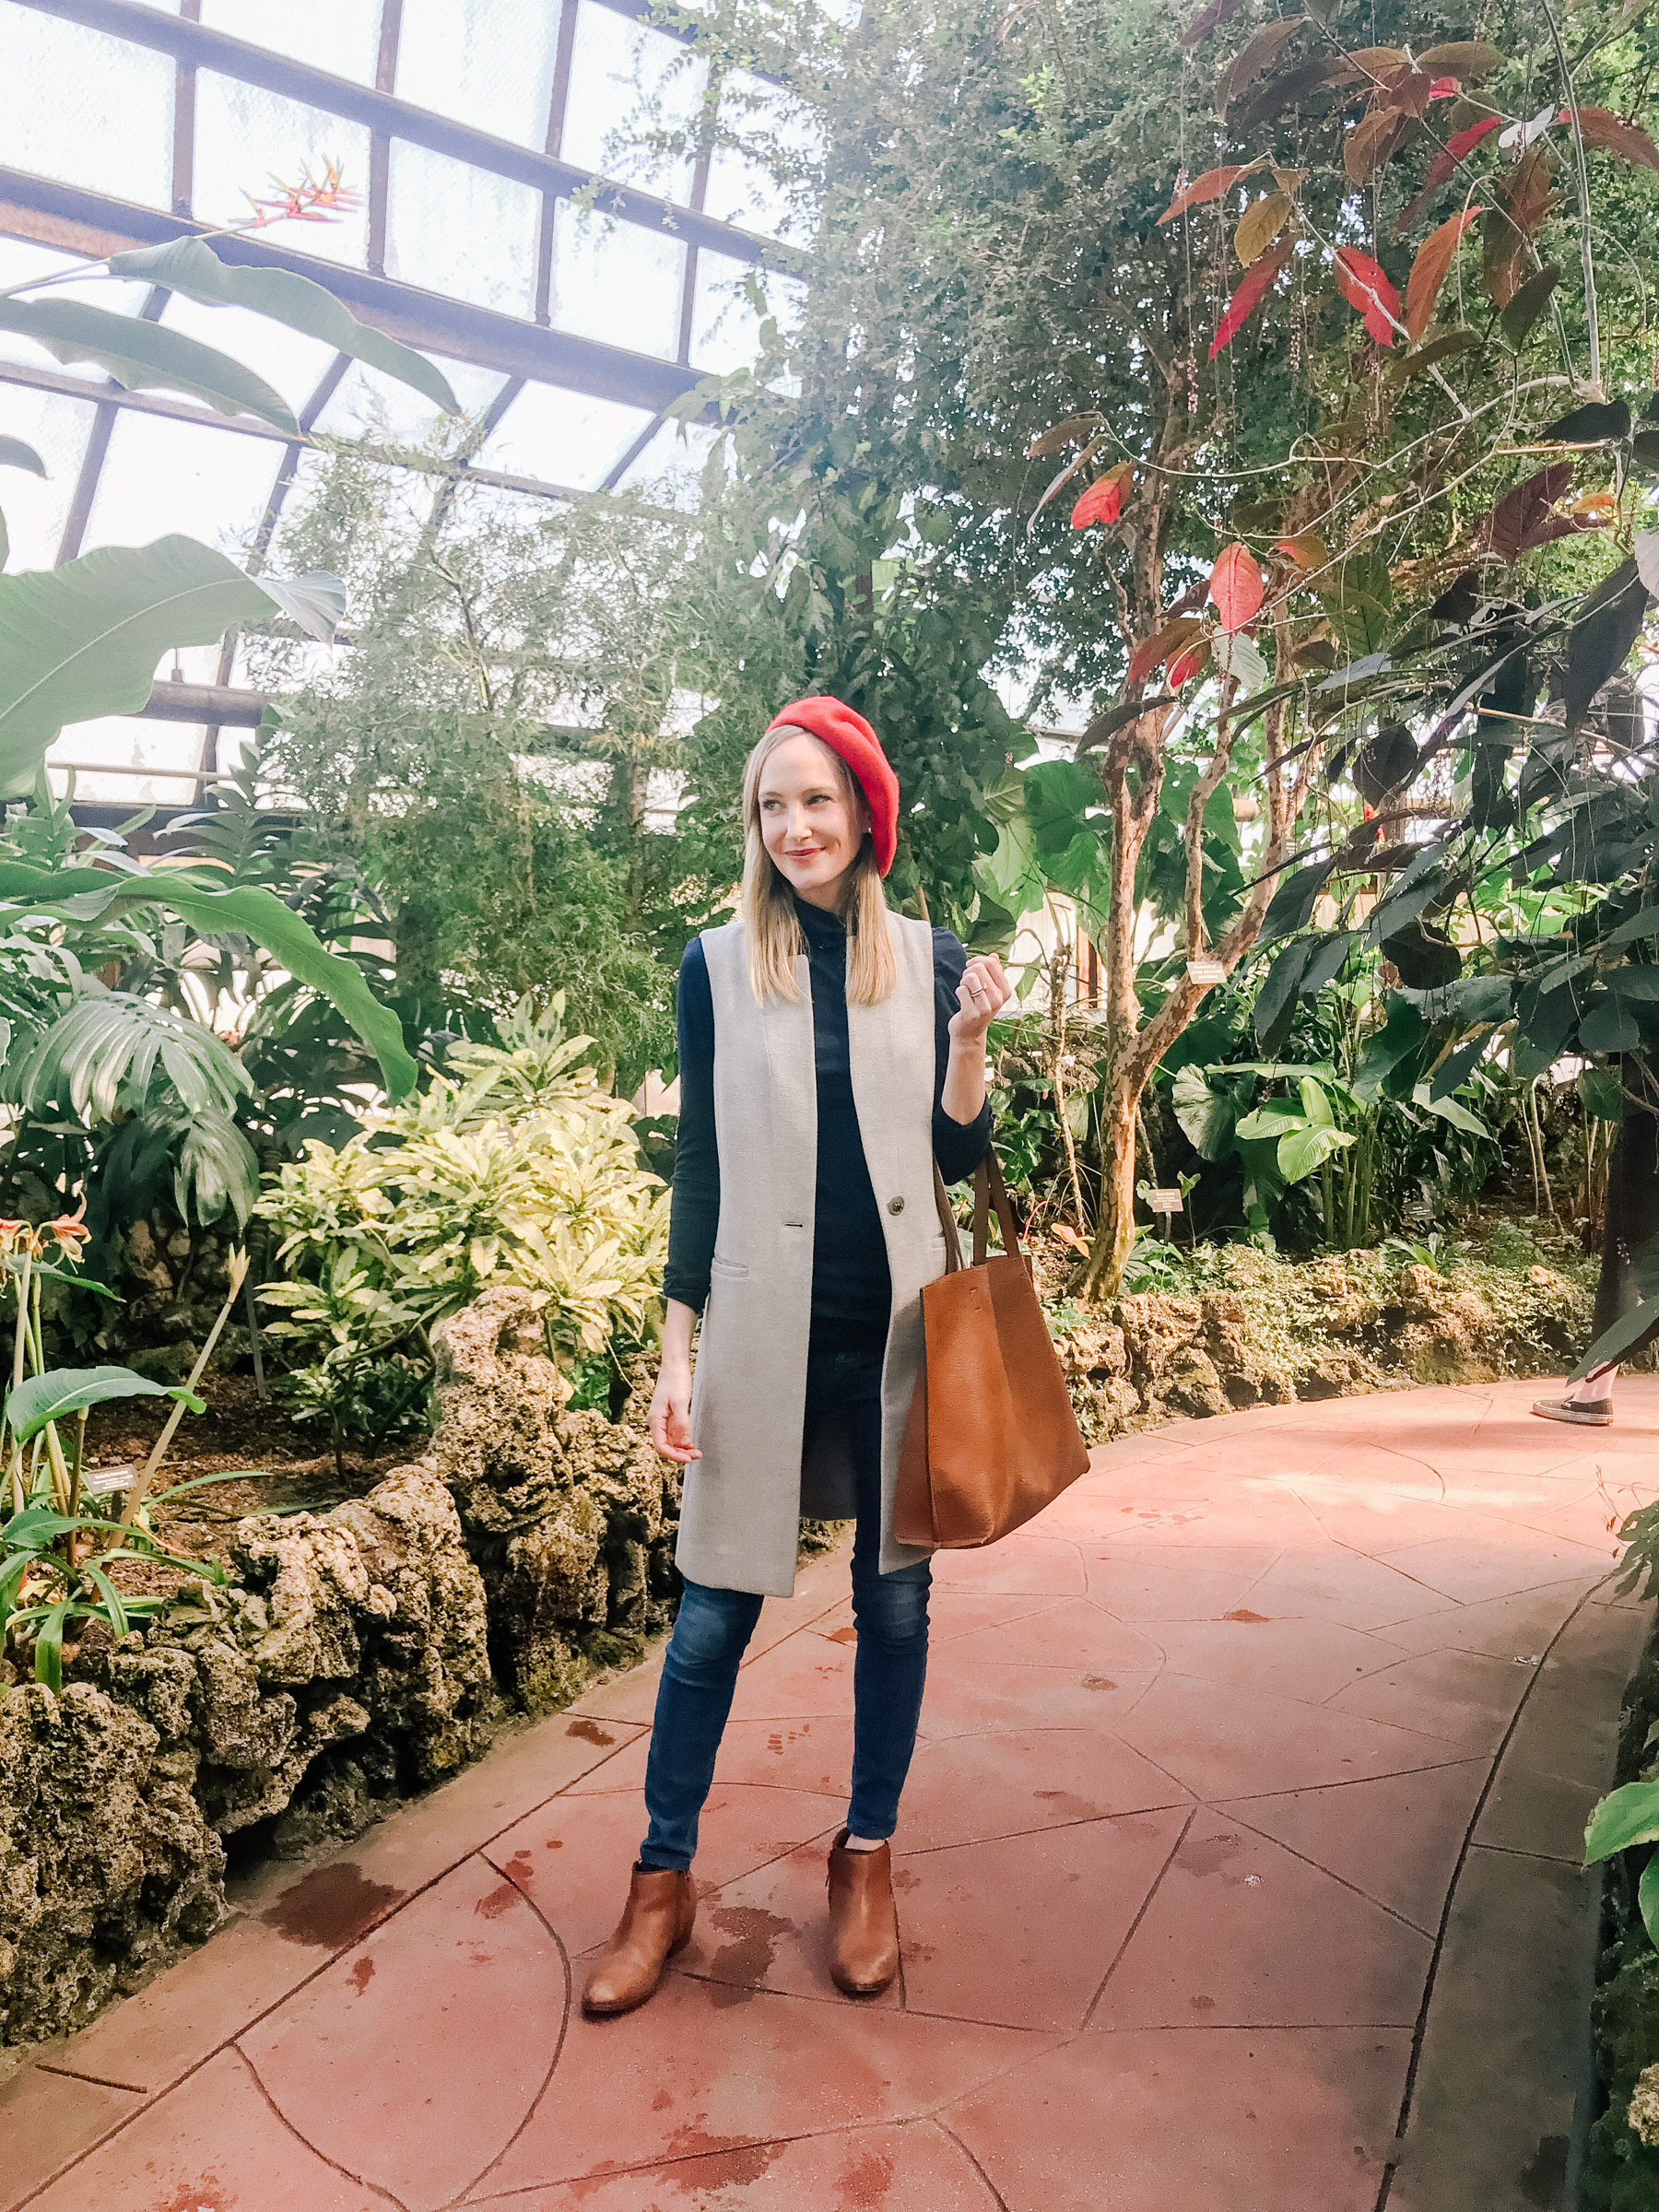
x,y
753,1940
865,2181
331,1907
590,1732
496,1902
361,1974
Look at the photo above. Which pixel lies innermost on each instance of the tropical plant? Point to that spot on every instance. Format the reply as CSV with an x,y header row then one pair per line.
x,y
56,1545
1031,221
514,1168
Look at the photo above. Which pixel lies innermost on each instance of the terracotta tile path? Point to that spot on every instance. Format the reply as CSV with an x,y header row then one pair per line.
x,y
1205,1752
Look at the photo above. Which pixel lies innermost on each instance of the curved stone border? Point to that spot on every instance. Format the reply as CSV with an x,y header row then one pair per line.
x,y
1501,2086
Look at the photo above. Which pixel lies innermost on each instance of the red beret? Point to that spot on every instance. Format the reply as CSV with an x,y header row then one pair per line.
x,y
848,733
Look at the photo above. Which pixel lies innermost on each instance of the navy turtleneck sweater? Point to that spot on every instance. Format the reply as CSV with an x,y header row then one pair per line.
x,y
851,1292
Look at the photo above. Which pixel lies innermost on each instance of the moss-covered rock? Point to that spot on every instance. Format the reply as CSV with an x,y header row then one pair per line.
x,y
570,1517
1250,1327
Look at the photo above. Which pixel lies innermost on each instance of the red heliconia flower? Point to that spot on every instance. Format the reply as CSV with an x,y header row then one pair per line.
x,y
313,200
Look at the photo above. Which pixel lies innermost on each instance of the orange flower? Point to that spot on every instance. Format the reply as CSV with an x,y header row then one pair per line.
x,y
69,1233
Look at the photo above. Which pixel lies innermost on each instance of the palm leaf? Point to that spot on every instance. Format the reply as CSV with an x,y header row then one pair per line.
x,y
102,1056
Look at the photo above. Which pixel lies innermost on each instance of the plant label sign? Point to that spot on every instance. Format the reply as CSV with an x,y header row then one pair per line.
x,y
1206,972
1165,1202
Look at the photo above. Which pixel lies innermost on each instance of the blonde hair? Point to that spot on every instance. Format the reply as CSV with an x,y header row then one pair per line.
x,y
766,905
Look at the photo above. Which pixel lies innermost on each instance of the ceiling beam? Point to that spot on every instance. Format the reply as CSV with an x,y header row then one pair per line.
x,y
223,703
79,221
384,113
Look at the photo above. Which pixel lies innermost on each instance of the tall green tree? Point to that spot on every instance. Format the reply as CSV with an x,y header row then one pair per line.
x,y
1110,289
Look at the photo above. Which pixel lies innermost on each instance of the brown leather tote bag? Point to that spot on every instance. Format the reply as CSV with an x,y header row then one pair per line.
x,y
991,1438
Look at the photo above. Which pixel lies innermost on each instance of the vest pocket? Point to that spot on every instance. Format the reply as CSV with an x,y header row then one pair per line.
x,y
731,1269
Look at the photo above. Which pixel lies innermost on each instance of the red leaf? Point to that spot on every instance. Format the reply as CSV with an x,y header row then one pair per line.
x,y
1465,141
1460,143
1207,20
1237,587
1364,285
1151,653
1258,281
1103,502
1445,87
1210,186
1429,271
1189,663
1611,134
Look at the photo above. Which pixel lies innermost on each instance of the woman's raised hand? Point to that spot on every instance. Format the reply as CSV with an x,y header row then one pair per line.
x,y
982,995
671,1412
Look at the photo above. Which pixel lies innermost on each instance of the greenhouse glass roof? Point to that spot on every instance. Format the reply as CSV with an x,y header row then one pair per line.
x,y
512,220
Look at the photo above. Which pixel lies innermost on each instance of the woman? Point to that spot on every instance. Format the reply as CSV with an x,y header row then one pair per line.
x,y
829,1053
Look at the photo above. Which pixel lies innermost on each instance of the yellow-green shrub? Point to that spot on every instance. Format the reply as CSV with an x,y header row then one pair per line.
x,y
516,1168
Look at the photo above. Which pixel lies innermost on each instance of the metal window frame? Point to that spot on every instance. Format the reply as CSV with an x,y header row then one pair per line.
x,y
77,220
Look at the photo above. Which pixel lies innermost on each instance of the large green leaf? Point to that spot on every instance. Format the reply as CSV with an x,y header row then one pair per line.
x,y
1647,1899
216,1167
142,355
105,1052
1628,1816
188,266
1450,1110
1206,1116
13,453
84,640
64,1390
248,911
1303,1150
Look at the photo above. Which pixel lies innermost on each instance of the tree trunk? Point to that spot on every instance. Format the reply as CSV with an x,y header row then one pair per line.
x,y
1114,1225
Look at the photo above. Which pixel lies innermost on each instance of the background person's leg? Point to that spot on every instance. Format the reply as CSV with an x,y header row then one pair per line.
x,y
1633,1221
700,1674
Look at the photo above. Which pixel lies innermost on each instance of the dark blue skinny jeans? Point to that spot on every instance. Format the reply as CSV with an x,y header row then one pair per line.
x,y
712,1632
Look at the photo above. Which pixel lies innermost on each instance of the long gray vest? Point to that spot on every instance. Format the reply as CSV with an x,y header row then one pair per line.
x,y
744,1498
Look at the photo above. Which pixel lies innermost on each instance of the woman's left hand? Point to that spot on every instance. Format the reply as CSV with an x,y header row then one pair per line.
x,y
982,995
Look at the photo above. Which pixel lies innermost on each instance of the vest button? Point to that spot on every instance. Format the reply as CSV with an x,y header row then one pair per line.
x,y
895,1205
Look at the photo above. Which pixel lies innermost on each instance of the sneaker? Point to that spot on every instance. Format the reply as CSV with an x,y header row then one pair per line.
x,y
1589,1413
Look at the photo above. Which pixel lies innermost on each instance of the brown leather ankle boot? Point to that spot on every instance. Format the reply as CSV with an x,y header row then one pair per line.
x,y
656,1922
864,1920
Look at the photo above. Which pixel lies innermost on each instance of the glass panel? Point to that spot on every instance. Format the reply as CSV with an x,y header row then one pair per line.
x,y
136,743
293,363
615,282
670,469
97,111
456,230
341,36
247,140
743,189
35,508
160,476
627,80
562,436
366,404
725,330
488,62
